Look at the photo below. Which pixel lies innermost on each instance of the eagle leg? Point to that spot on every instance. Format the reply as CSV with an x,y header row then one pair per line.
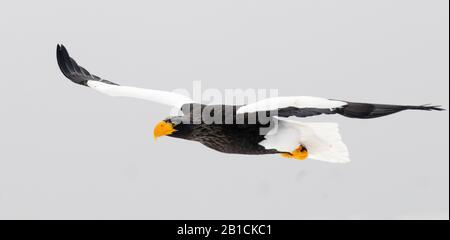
x,y
300,153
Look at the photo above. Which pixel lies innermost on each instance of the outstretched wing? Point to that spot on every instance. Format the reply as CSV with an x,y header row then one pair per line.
x,y
311,106
301,106
79,75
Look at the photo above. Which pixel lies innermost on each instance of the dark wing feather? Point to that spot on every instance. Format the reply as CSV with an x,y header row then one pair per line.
x,y
352,110
370,110
303,112
73,71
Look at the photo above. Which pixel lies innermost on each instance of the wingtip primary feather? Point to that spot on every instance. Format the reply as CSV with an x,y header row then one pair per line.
x,y
428,107
72,70
436,108
66,65
63,59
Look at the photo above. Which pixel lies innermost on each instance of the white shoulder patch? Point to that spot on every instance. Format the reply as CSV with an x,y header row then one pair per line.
x,y
283,102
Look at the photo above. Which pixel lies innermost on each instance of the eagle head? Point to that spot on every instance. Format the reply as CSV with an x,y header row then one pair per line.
x,y
173,127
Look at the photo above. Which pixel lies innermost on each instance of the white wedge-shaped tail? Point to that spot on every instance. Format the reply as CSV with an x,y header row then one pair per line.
x,y
322,140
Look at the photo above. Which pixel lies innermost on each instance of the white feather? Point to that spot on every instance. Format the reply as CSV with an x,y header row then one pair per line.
x,y
283,102
167,98
322,140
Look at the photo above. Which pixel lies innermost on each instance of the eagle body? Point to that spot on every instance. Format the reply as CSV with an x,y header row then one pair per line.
x,y
224,138
231,133
267,126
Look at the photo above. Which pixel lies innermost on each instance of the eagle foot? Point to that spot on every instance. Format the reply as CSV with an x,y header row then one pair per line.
x,y
300,153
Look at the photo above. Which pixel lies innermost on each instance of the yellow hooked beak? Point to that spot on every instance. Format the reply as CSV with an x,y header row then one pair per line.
x,y
162,129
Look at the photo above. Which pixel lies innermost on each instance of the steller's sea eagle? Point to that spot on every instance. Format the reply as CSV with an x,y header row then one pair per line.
x,y
290,138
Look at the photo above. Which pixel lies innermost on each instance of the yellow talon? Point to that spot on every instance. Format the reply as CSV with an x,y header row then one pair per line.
x,y
287,155
300,153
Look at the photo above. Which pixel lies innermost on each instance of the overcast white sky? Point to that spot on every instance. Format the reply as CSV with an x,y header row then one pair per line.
x,y
70,153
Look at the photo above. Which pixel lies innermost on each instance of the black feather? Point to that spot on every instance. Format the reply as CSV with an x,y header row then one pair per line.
x,y
369,110
303,112
353,110
73,71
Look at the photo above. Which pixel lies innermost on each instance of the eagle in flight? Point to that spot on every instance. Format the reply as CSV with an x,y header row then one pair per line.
x,y
288,137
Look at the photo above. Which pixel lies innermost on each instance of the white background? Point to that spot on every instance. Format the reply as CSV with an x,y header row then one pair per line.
x,y
68,152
